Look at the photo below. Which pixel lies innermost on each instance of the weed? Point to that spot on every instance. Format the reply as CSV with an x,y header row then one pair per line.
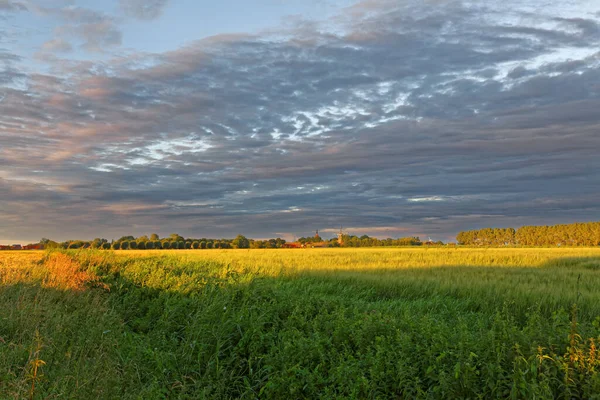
x,y
34,364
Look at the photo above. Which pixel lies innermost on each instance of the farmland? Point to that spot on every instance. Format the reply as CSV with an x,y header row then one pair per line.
x,y
329,323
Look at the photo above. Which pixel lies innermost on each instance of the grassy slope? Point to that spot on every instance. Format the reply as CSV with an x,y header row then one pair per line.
x,y
354,323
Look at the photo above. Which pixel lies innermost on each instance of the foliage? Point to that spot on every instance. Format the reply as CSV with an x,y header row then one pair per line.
x,y
362,241
178,242
241,242
579,234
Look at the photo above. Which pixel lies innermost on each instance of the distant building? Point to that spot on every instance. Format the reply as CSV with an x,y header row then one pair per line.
x,y
340,236
37,246
293,245
16,247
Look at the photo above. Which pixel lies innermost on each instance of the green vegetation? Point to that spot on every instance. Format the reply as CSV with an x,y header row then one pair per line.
x,y
178,242
172,242
329,323
364,241
579,234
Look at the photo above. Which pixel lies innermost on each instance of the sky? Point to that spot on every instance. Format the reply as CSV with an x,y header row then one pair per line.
x,y
274,118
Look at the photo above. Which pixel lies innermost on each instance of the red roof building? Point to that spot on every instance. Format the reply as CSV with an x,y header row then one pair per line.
x,y
37,246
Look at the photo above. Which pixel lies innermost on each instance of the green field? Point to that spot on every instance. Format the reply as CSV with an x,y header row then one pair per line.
x,y
321,323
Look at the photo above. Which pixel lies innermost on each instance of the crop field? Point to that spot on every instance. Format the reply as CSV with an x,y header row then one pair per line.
x,y
435,323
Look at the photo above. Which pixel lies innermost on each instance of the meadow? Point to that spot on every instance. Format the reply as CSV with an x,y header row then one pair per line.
x,y
435,323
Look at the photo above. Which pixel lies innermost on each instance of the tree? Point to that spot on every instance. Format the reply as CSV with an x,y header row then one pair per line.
x,y
241,242
97,243
75,244
133,245
154,237
141,245
174,237
125,245
49,244
195,245
578,234
116,246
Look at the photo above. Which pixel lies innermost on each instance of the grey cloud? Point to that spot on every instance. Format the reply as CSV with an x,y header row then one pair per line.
x,y
143,9
12,6
57,45
415,118
94,30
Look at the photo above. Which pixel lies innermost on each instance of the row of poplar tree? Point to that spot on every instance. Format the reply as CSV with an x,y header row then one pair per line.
x,y
578,234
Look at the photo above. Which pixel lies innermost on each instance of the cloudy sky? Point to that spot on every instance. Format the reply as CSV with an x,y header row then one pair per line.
x,y
278,117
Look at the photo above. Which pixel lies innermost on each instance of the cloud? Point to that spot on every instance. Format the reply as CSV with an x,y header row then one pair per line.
x,y
143,9
93,30
57,45
12,6
394,117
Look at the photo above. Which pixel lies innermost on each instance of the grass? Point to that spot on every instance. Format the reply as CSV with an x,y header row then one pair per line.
x,y
318,323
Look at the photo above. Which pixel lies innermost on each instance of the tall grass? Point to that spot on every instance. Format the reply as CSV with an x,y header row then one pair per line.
x,y
330,323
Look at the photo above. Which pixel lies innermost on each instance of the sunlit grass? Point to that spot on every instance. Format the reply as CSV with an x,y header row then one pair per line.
x,y
333,323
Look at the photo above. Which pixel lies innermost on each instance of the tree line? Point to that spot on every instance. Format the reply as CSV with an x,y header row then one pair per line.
x,y
172,242
364,241
178,242
577,234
